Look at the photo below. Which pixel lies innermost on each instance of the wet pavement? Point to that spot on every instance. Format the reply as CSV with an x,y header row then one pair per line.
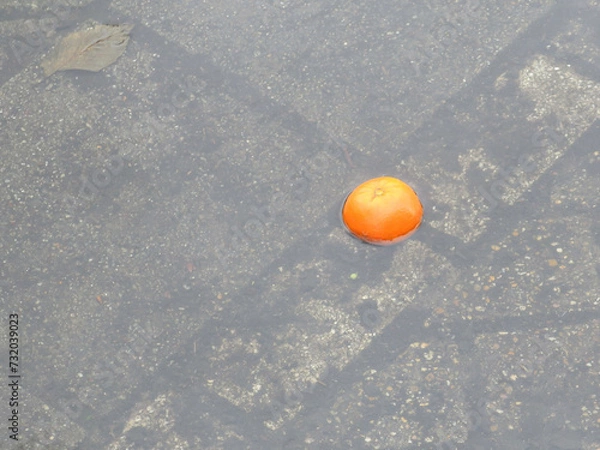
x,y
171,242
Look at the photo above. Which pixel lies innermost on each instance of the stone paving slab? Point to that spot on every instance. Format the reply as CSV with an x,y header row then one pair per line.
x,y
171,236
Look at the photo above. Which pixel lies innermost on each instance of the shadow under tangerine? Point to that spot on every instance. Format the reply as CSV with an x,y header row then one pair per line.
x,y
382,211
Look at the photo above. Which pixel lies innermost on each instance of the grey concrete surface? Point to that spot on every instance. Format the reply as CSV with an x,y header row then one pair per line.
x,y
170,234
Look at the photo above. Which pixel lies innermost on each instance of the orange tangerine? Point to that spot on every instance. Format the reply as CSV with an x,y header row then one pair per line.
x,y
382,211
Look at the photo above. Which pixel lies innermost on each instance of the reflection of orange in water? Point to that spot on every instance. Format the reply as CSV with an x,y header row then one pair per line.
x,y
382,211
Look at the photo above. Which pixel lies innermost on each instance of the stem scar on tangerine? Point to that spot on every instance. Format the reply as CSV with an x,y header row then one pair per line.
x,y
382,211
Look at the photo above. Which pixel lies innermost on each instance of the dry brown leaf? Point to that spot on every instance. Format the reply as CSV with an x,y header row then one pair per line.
x,y
92,49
